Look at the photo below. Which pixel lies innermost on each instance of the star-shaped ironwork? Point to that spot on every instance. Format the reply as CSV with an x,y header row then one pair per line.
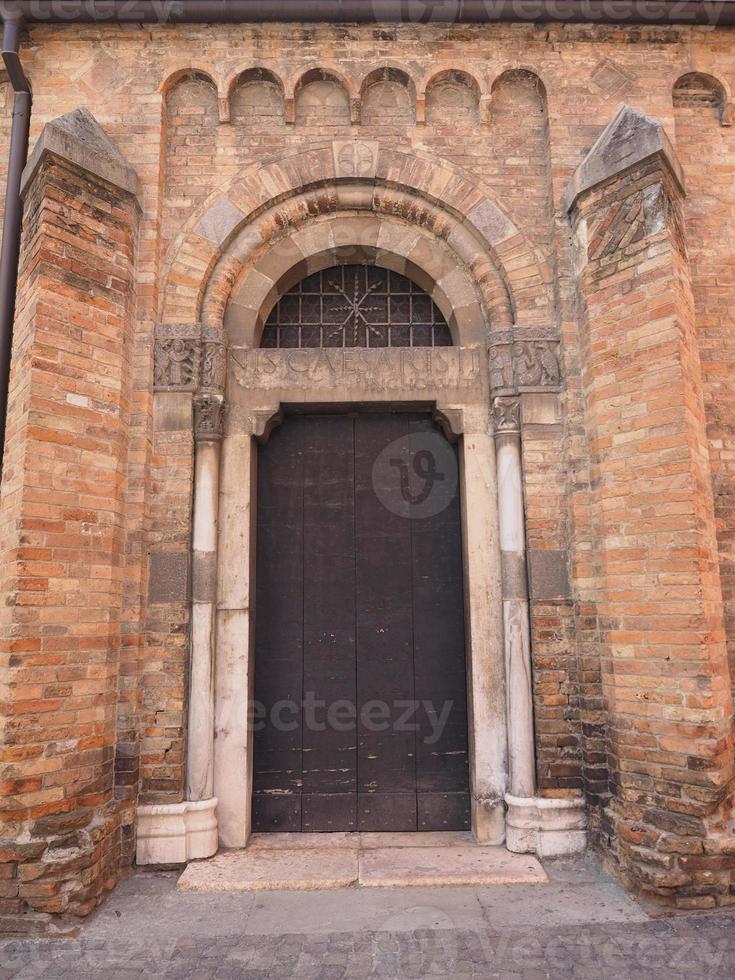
x,y
355,310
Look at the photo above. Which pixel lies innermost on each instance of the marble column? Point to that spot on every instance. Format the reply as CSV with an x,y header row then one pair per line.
x,y
484,618
200,747
517,633
208,427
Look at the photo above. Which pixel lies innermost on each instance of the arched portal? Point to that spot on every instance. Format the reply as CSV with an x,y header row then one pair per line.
x,y
230,273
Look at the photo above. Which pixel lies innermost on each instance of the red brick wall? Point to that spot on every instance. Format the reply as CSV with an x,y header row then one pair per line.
x,y
665,675
62,540
709,209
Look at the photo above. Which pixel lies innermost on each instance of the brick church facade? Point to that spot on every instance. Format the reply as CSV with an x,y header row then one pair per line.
x,y
554,204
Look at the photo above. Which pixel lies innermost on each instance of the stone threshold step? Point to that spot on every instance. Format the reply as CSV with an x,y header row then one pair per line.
x,y
308,865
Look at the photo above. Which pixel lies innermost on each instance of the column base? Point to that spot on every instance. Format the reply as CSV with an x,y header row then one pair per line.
x,y
545,826
174,833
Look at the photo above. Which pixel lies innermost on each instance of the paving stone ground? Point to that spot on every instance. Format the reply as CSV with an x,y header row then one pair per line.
x,y
581,925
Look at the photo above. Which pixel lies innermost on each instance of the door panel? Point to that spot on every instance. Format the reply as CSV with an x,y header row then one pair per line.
x,y
360,663
279,648
329,771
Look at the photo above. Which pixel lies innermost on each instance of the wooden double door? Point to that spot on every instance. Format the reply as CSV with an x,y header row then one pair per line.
x,y
360,710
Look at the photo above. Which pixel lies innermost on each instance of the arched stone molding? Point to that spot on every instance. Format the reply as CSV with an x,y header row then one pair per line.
x,y
332,239
434,195
436,246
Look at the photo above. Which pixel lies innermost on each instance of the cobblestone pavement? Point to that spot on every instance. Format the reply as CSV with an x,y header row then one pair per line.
x,y
581,925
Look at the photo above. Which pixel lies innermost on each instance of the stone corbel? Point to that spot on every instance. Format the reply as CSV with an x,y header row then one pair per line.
x,y
450,419
264,422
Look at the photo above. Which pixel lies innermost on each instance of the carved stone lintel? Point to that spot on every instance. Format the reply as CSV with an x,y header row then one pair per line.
x,y
177,356
209,416
506,415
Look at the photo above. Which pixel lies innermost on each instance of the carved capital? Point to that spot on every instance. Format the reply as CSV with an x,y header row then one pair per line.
x,y
506,415
209,417
176,357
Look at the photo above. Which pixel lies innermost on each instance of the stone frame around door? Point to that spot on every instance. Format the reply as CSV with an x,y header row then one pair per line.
x,y
243,286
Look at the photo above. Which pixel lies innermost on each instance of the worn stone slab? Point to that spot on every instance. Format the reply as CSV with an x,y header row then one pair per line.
x,y
280,842
456,865
361,840
262,868
449,838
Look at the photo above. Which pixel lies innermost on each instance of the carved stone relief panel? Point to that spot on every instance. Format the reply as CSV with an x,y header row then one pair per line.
x,y
177,357
526,359
214,359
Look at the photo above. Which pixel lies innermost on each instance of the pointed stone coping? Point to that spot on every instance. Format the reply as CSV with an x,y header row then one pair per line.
x,y
628,139
301,862
79,139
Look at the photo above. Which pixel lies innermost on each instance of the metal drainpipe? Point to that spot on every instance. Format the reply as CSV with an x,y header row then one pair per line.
x,y
10,250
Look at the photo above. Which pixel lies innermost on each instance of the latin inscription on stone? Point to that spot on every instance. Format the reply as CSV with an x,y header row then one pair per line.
x,y
384,370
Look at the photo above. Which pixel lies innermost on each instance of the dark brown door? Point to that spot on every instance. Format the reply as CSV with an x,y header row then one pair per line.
x,y
360,711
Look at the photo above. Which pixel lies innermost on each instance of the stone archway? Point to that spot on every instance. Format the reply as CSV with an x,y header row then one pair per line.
x,y
359,202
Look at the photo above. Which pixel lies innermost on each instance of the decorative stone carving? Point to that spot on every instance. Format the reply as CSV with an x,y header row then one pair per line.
x,y
527,360
209,417
355,158
501,368
507,414
214,360
536,364
176,357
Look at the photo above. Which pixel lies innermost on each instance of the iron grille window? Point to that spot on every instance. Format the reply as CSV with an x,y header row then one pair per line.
x,y
356,306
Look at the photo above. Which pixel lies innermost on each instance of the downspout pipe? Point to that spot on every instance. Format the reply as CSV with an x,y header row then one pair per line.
x,y
12,221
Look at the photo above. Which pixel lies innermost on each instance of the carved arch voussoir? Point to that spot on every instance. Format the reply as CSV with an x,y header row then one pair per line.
x,y
413,187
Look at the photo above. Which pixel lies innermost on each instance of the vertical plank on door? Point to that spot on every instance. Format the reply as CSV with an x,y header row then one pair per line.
x,y
279,631
329,740
386,759
442,761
